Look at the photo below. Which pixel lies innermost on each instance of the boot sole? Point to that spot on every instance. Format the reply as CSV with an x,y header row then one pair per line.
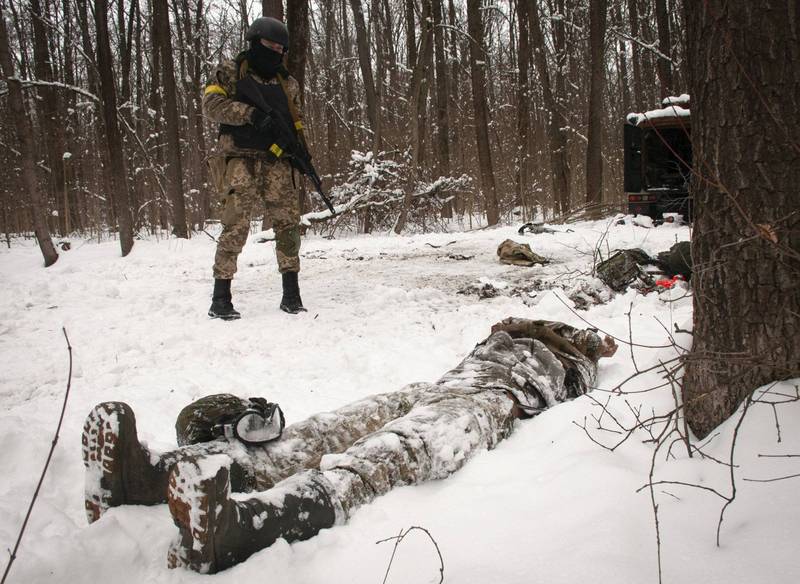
x,y
101,457
224,316
193,500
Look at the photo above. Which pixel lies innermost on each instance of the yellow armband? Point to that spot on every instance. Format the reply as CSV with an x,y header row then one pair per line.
x,y
216,89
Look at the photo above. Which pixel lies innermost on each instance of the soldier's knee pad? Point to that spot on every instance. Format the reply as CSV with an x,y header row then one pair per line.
x,y
231,209
287,241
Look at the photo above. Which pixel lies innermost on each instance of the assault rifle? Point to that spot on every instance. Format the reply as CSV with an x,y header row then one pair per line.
x,y
291,146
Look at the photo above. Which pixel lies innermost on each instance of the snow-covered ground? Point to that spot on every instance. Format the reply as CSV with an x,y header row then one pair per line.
x,y
548,505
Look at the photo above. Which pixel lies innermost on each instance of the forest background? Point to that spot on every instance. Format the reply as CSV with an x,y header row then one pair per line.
x,y
519,105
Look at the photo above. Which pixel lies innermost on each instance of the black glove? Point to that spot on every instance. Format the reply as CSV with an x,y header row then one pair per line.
x,y
269,123
263,122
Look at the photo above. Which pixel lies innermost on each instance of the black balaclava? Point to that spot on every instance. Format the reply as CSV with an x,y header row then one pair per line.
x,y
263,60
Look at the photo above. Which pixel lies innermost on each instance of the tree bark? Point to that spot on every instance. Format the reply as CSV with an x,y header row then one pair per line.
x,y
49,112
745,85
24,133
174,165
598,10
113,143
664,47
417,92
477,67
636,59
523,102
331,121
411,37
297,22
442,91
622,63
273,8
365,62
555,118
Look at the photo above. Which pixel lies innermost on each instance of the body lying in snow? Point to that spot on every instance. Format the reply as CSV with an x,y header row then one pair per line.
x,y
325,467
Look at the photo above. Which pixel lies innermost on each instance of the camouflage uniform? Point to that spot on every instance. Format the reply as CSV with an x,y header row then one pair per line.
x,y
325,467
251,176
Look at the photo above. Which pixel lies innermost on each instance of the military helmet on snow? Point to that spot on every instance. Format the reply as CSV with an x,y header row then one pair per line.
x,y
251,421
268,28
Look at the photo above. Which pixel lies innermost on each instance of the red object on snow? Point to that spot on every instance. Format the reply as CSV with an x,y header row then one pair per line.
x,y
667,284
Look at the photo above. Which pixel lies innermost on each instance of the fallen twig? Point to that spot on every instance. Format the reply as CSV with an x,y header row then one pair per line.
x,y
399,538
46,464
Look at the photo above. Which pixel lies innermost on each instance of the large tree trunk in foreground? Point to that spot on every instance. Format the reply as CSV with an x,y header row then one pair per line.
x,y
745,85
24,133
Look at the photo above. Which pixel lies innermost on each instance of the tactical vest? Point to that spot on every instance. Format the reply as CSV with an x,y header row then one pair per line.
x,y
247,136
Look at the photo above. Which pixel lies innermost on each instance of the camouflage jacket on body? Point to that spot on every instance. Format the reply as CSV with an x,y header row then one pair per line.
x,y
220,107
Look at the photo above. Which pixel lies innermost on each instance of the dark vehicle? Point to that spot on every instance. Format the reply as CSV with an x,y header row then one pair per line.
x,y
658,161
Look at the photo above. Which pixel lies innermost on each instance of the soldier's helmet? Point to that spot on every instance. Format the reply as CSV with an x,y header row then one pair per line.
x,y
268,28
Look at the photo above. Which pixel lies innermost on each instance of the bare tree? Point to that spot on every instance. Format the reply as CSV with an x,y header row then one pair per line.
x,y
664,47
555,118
113,143
297,22
442,91
598,10
636,61
477,67
173,152
27,151
365,61
49,111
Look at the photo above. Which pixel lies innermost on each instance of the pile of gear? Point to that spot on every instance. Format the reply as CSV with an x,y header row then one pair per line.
x,y
633,268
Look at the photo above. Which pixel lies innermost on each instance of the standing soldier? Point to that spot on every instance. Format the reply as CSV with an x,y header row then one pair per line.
x,y
257,106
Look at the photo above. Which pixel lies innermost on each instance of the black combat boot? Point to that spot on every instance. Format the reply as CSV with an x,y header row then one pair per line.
x,y
291,301
221,306
217,532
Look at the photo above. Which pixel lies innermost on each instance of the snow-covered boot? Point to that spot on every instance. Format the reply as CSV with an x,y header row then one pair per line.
x,y
291,301
221,305
119,470
217,532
